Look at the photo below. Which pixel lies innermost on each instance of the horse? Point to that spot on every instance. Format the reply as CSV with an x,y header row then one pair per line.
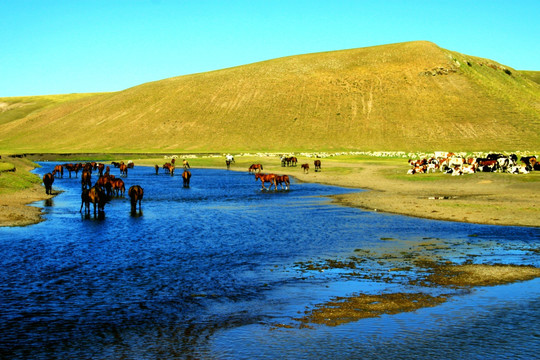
x,y
123,170
101,168
118,187
305,167
185,164
317,164
230,158
283,179
157,168
105,182
86,179
136,195
228,163
169,168
48,180
254,167
186,176
58,169
271,178
95,195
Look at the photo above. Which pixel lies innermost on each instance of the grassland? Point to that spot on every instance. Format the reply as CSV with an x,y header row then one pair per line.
x,y
411,96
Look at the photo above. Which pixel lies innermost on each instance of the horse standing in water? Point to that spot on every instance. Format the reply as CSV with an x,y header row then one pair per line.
x,y
283,179
271,178
48,180
186,176
95,195
136,195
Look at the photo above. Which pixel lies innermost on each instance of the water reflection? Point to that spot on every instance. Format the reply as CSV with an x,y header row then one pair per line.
x,y
209,271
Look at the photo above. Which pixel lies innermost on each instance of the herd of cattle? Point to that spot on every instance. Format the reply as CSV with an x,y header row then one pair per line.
x,y
106,186
449,163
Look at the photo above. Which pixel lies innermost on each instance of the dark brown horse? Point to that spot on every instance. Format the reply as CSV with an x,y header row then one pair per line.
x,y
186,176
228,163
271,178
86,179
317,164
255,167
48,180
283,179
305,167
95,195
157,168
136,195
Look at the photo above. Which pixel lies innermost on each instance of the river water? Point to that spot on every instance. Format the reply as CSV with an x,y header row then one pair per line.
x,y
219,271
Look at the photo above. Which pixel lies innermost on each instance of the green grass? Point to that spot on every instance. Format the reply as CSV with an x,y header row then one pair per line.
x,y
20,179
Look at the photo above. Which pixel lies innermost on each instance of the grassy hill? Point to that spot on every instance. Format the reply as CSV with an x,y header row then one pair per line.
x,y
407,96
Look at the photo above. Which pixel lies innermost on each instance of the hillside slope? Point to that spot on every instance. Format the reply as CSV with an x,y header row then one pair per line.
x,y
406,96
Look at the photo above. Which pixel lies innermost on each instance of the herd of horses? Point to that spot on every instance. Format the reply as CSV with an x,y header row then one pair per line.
x,y
105,187
108,186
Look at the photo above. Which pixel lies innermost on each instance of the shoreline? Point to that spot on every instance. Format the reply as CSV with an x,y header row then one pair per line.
x,y
486,198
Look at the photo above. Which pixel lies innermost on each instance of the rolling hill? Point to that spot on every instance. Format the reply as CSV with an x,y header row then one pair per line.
x,y
412,96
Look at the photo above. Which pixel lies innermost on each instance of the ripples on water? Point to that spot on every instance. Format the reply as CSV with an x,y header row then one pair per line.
x,y
207,271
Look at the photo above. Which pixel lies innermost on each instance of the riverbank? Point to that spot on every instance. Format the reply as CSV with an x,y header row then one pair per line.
x,y
483,198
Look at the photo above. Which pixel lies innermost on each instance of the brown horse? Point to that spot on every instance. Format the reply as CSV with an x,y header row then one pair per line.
x,y
118,187
228,163
48,180
271,178
123,169
186,176
105,182
317,164
283,179
168,167
136,195
95,195
58,169
305,167
86,179
255,167
157,168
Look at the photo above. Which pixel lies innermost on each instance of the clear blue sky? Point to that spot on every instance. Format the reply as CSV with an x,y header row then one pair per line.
x,y
74,46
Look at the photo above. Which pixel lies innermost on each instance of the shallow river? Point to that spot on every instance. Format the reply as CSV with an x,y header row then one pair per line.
x,y
219,271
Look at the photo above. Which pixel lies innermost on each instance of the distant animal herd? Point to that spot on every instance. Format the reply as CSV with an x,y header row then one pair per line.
x,y
450,163
108,186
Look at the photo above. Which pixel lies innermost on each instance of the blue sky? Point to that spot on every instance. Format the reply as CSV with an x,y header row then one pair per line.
x,y
75,46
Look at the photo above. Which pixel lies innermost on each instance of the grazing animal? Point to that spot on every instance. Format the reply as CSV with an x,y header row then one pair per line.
x,y
70,168
48,180
185,164
59,169
283,179
271,178
95,195
123,170
86,179
228,163
230,158
136,195
317,164
168,167
118,186
157,168
255,167
186,176
305,167
101,168
104,182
